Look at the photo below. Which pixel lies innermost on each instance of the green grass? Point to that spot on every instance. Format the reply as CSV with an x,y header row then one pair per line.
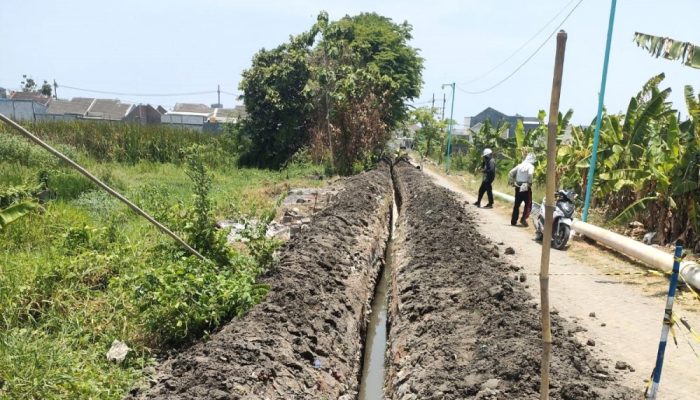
x,y
84,270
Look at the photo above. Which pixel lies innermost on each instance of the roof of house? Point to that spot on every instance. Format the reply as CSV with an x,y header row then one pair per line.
x,y
75,106
33,96
490,110
108,109
192,108
228,114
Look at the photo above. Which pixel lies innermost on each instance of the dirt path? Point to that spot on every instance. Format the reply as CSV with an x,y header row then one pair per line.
x,y
628,310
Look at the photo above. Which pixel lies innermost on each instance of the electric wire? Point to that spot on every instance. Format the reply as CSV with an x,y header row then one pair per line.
x,y
144,94
522,46
526,60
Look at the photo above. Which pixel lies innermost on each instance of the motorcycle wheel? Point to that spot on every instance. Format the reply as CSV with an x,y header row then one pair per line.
x,y
560,238
538,236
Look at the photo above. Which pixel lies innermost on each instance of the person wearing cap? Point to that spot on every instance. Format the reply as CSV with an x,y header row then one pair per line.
x,y
488,167
521,178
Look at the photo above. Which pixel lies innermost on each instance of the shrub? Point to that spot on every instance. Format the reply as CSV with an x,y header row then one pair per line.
x,y
182,299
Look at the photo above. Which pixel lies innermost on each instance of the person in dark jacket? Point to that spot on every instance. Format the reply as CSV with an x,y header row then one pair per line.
x,y
489,170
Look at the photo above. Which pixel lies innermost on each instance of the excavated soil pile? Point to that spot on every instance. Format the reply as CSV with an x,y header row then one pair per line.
x,y
459,325
304,341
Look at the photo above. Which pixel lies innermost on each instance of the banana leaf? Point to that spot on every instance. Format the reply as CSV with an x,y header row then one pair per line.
x,y
630,212
15,212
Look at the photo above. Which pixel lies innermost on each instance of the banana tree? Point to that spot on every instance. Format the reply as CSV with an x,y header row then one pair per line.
x,y
491,137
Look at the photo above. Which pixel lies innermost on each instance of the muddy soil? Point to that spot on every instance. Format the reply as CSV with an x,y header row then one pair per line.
x,y
304,341
459,325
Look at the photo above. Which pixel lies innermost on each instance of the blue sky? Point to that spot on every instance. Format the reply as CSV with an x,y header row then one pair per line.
x,y
161,46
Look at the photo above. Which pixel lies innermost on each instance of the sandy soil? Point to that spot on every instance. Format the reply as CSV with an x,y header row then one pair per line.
x,y
627,309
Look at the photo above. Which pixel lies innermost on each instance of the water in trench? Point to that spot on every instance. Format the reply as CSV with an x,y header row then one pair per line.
x,y
372,380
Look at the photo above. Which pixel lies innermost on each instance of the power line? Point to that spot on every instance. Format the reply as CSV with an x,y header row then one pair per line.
x,y
143,94
522,46
527,59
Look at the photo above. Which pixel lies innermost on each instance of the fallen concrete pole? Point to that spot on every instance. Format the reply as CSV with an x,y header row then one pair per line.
x,y
657,259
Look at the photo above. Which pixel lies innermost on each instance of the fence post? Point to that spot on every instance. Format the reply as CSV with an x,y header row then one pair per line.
x,y
667,324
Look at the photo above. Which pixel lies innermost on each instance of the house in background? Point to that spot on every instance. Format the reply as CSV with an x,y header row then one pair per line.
x,y
24,106
108,110
144,114
496,117
86,108
201,117
67,110
187,116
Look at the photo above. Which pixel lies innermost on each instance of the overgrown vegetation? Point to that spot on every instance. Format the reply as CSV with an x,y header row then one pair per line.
x,y
81,270
647,163
339,89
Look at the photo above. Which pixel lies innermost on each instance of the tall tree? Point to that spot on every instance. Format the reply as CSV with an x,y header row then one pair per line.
x,y
28,84
46,89
342,94
277,102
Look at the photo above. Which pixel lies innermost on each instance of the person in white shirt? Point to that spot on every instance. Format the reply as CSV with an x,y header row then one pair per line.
x,y
521,178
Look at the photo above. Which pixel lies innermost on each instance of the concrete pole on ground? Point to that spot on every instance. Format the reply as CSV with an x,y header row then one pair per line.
x,y
549,214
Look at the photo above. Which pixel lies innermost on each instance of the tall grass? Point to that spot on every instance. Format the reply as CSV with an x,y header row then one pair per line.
x,y
105,141
83,270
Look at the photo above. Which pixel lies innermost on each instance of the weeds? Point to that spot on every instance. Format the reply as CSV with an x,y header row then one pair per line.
x,y
84,270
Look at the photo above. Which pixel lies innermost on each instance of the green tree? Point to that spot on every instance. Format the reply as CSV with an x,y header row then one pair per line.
x,y
277,102
28,84
431,132
342,94
46,89
377,45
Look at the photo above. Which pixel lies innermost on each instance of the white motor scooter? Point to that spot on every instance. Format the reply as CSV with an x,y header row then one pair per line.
x,y
563,217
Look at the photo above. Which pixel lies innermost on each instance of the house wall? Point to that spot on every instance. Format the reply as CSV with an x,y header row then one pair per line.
x,y
195,122
21,110
56,117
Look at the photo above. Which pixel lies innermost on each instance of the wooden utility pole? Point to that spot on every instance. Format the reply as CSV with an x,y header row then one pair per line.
x,y
549,214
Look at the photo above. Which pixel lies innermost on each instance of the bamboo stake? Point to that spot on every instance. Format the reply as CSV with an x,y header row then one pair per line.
x,y
549,213
101,184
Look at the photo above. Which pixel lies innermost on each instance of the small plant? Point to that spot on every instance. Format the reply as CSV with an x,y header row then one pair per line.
x,y
200,229
261,247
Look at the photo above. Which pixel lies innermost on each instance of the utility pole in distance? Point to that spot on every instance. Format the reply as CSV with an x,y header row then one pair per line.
x,y
444,100
449,126
55,89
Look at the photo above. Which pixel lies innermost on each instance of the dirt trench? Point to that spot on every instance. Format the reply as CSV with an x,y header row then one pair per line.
x,y
459,325
305,340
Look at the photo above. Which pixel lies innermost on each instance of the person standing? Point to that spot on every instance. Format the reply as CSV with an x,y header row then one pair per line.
x,y
521,178
488,167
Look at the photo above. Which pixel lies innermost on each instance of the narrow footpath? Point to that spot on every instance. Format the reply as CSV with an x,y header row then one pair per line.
x,y
619,316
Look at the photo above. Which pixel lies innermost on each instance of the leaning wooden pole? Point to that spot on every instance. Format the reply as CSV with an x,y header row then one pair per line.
x,y
101,184
549,213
